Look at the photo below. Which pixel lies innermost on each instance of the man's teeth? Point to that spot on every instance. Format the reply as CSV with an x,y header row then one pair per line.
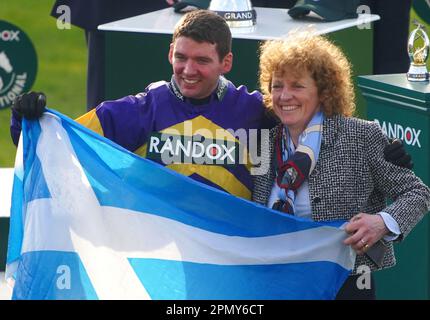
x,y
289,108
190,81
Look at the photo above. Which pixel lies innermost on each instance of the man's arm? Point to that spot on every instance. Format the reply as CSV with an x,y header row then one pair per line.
x,y
126,121
396,154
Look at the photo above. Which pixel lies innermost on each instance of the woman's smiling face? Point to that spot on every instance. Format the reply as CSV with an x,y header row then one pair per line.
x,y
295,98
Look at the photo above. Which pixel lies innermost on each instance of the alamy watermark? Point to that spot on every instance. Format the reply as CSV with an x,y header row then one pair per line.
x,y
64,20
364,17
364,280
64,278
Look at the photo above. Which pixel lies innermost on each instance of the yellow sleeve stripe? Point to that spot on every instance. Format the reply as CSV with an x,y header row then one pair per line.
x,y
216,174
141,151
91,121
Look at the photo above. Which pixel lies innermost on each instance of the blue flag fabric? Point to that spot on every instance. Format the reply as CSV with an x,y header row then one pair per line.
x,y
90,220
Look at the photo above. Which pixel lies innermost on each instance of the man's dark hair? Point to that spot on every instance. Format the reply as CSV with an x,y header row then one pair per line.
x,y
205,26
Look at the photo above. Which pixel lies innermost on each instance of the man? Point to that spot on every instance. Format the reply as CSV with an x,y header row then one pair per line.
x,y
88,15
196,106
183,124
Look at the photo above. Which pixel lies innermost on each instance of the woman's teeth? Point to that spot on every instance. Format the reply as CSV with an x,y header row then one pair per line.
x,y
289,108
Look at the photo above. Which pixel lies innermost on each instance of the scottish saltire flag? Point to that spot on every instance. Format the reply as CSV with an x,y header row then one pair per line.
x,y
91,220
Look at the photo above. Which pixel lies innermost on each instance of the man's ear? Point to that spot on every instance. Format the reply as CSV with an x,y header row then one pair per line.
x,y
171,53
227,63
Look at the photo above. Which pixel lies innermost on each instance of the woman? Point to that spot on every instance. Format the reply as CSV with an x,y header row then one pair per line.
x,y
327,165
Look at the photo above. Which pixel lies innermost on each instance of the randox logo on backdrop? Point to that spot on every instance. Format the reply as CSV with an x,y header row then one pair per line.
x,y
411,136
18,63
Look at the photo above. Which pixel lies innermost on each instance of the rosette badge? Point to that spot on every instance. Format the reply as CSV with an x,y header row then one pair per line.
x,y
418,50
237,13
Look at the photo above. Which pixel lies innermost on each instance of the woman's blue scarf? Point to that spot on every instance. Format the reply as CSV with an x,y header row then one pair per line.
x,y
294,167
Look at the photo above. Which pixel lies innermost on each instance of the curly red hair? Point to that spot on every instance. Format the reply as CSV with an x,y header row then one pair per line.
x,y
325,62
